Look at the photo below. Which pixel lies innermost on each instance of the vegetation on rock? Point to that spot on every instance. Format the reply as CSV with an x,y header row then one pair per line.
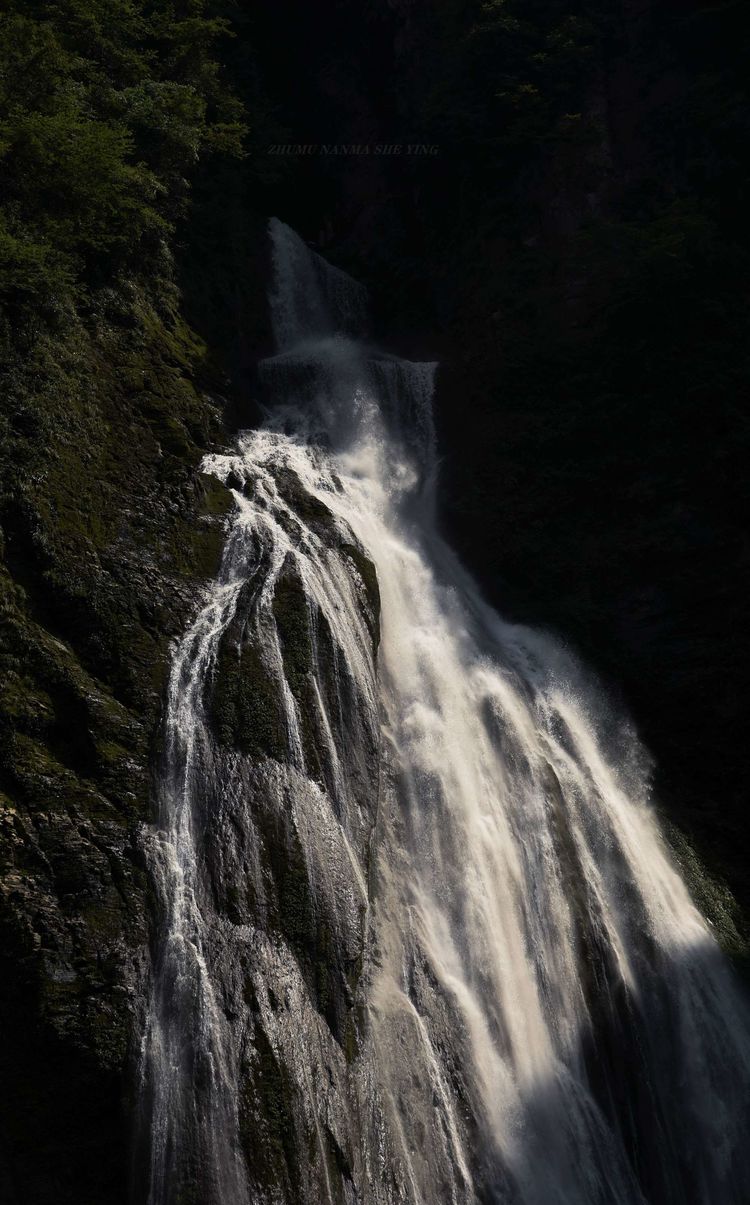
x,y
107,529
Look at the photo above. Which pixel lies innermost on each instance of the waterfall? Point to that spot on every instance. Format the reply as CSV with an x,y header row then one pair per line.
x,y
420,940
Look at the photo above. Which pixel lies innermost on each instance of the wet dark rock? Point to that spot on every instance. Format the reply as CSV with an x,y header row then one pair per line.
x,y
109,529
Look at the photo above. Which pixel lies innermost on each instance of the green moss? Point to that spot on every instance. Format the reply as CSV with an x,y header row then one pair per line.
x,y
297,916
267,1119
111,755
310,509
291,612
309,658
103,923
203,551
244,707
369,578
22,702
351,1038
108,529
216,499
712,897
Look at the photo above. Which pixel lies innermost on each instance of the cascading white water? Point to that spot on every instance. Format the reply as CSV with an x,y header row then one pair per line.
x,y
188,1086
421,940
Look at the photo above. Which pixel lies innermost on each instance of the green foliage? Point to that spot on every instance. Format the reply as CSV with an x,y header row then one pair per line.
x,y
245,705
105,109
292,615
515,77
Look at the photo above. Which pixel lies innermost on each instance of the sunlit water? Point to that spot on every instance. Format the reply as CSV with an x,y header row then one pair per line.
x,y
540,1015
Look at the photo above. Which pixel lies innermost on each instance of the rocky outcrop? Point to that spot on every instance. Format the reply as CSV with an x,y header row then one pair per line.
x,y
108,530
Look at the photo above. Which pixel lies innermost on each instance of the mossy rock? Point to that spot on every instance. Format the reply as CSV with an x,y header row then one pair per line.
x,y
309,655
268,1132
712,897
108,531
368,575
311,510
244,706
292,615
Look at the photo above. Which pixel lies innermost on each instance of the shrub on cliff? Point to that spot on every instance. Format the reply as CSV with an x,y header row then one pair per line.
x,y
105,108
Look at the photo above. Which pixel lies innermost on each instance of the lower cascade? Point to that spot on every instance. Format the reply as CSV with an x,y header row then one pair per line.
x,y
419,937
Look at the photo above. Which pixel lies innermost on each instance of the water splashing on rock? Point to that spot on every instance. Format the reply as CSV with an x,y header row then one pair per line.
x,y
420,940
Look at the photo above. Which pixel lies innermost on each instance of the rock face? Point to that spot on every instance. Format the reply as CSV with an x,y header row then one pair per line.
x,y
108,531
267,800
